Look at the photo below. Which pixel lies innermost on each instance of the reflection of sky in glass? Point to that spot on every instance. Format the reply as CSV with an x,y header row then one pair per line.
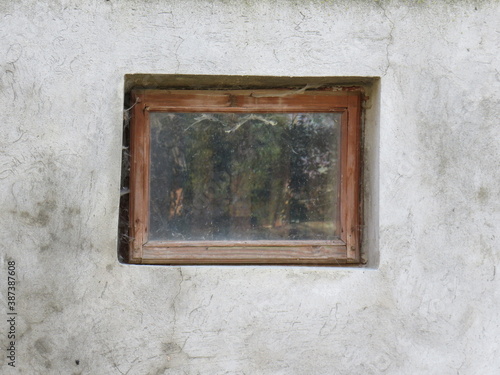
x,y
230,176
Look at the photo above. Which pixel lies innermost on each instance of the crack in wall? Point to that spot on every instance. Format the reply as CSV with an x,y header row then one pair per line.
x,y
390,39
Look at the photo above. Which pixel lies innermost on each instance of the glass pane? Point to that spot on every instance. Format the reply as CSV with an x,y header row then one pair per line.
x,y
241,176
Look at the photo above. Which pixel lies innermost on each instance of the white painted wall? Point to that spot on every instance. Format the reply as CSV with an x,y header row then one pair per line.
x,y
432,305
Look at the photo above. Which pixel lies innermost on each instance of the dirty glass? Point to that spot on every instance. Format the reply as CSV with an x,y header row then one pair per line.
x,y
244,176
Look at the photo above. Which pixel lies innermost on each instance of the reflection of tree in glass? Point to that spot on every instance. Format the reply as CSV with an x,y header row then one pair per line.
x,y
243,176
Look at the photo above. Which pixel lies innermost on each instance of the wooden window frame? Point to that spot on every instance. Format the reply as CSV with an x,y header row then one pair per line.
x,y
345,250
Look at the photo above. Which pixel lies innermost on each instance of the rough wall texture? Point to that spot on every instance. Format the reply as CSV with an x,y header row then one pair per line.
x,y
432,305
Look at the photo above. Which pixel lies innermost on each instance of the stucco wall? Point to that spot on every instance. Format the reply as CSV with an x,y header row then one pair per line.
x,y
430,307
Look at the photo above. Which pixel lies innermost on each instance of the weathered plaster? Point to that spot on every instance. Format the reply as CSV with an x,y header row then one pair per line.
x,y
430,307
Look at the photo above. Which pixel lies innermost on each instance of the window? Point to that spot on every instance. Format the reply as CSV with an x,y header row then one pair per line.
x,y
245,177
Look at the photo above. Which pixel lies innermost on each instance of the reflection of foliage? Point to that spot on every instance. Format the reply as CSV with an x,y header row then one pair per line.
x,y
236,174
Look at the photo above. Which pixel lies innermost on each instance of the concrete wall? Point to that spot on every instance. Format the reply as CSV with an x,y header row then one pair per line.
x,y
430,307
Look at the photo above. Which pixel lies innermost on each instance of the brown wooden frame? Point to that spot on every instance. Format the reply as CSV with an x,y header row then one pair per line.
x,y
345,250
